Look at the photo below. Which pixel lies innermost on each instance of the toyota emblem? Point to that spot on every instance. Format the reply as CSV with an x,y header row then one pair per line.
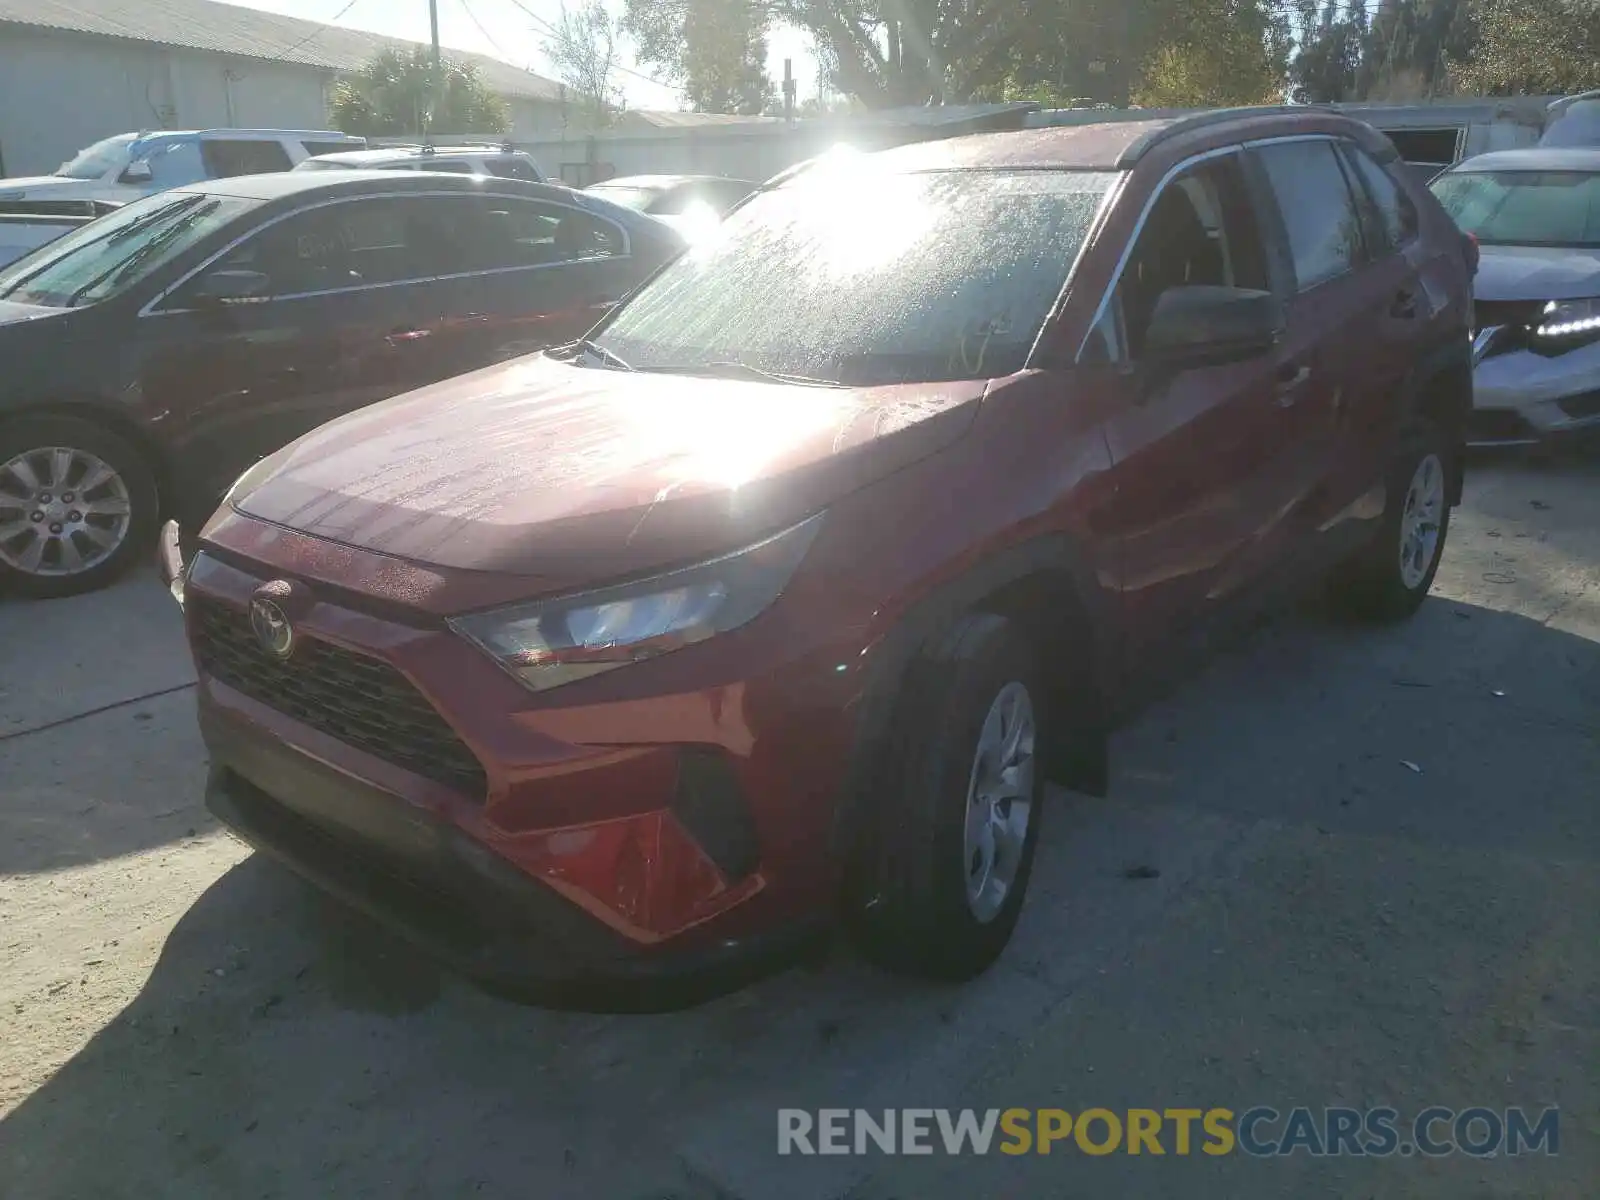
x,y
272,628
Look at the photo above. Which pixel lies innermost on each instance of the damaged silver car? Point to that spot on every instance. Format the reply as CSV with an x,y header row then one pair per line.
x,y
1535,214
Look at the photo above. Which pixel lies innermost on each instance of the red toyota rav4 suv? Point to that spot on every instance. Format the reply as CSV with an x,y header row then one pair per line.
x,y
782,595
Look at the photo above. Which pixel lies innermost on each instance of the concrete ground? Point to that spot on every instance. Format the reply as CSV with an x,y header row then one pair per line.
x,y
1274,908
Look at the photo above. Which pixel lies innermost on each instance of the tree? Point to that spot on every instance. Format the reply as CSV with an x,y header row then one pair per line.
x,y
1332,53
1217,54
716,48
394,93
583,48
1531,47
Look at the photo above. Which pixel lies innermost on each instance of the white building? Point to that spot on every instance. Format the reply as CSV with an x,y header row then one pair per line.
x,y
75,71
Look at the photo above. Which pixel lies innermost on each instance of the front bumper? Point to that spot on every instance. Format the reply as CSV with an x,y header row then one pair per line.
x,y
1525,399
453,897
661,836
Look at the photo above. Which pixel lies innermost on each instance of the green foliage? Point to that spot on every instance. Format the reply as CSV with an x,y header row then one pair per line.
x,y
1216,55
1532,47
583,46
393,94
716,48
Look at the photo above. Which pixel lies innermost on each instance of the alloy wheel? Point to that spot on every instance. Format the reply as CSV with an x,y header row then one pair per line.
x,y
999,802
63,511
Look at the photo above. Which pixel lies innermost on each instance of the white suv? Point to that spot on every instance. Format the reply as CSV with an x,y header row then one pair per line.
x,y
502,161
130,165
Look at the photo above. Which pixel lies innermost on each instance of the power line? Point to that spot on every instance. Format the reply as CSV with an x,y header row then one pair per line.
x,y
540,23
488,37
320,30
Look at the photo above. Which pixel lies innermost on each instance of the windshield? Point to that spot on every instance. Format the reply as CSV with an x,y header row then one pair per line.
x,y
100,158
109,255
861,281
1524,208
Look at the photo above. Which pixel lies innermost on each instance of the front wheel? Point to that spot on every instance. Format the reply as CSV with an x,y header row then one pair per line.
x,y
961,807
1390,577
78,506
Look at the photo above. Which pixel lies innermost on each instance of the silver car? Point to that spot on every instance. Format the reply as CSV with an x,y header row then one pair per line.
x,y
1536,343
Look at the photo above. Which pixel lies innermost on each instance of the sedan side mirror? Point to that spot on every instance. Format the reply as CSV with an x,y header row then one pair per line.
x,y
1201,325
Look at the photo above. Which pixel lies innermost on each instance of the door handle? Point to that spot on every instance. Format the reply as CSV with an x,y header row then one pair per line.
x,y
1291,378
399,337
1405,304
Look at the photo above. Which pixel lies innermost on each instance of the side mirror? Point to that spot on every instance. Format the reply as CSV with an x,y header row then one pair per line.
x,y
137,172
1200,325
230,287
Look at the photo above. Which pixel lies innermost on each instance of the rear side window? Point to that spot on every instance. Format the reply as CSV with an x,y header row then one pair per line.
x,y
1319,212
225,158
316,148
1389,215
512,168
501,231
448,167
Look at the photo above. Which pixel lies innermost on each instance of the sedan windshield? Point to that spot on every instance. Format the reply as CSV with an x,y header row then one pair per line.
x,y
889,279
1524,208
111,254
99,159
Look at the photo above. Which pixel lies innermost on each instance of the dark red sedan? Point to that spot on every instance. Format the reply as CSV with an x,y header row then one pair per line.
x,y
779,597
150,356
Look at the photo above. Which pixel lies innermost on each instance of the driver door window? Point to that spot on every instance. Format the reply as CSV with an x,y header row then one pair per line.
x,y
1201,230
337,247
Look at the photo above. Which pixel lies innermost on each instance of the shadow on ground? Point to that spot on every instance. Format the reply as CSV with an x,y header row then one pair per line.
x,y
282,1047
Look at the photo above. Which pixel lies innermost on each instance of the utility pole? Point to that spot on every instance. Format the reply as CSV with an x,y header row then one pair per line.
x,y
438,75
789,89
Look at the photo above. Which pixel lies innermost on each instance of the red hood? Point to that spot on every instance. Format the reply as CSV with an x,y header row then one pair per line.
x,y
568,475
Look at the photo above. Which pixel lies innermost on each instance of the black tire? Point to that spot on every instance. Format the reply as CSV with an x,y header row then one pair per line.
x,y
144,502
915,916
1371,586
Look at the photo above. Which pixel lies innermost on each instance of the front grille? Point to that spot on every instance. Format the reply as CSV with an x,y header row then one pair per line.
x,y
360,700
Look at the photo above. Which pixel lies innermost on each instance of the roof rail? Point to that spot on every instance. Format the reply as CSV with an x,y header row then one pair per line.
x,y
1145,142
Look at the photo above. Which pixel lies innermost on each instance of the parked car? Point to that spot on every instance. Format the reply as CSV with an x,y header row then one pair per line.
x,y
503,161
1536,339
694,205
132,165
782,593
674,195
155,353
25,225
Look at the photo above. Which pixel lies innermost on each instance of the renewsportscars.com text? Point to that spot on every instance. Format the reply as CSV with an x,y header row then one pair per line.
x,y
1260,1131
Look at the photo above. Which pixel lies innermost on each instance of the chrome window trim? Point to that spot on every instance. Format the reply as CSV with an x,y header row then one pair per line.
x,y
152,309
1138,229
1161,186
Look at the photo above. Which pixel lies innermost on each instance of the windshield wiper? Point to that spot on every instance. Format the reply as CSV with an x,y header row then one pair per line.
x,y
728,369
600,352
127,266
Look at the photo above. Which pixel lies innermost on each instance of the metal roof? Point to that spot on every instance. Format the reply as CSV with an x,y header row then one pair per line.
x,y
247,33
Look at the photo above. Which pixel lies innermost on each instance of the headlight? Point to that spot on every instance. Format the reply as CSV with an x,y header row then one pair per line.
x,y
552,642
1570,320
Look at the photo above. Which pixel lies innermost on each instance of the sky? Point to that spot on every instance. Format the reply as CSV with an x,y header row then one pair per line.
x,y
502,28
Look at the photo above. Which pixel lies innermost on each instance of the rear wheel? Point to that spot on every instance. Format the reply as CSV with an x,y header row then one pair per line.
x,y
78,506
961,811
1390,577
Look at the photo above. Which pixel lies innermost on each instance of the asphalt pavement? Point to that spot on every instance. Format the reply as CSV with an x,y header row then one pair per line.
x,y
1343,867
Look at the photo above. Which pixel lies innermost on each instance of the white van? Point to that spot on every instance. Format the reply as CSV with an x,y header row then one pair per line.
x,y
130,165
